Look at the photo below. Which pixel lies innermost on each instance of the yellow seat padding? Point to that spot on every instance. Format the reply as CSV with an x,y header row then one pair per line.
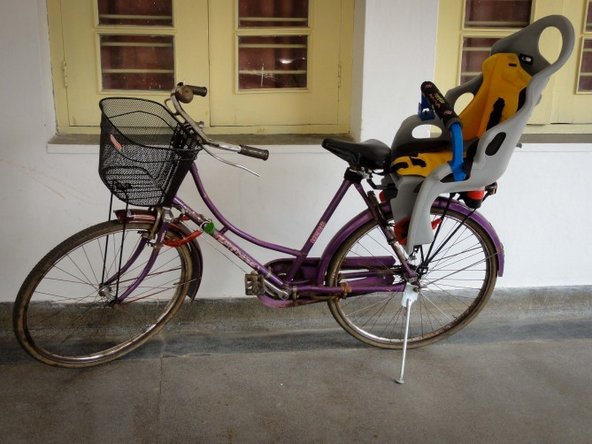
x,y
503,78
497,99
420,164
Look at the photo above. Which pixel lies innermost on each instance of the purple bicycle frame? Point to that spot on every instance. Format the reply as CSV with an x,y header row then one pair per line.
x,y
372,282
300,256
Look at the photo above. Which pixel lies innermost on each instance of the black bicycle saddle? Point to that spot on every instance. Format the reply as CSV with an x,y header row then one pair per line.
x,y
372,154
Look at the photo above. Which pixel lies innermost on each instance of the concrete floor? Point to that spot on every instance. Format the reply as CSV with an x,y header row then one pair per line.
x,y
512,376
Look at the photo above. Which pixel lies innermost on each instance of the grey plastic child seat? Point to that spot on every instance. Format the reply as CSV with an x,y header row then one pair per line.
x,y
491,151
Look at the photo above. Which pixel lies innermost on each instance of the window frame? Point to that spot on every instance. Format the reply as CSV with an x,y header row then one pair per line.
x,y
586,36
197,70
552,115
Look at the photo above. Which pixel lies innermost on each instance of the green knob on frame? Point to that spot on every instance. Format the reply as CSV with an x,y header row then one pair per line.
x,y
209,227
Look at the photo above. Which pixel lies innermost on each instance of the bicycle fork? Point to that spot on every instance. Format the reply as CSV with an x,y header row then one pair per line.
x,y
155,237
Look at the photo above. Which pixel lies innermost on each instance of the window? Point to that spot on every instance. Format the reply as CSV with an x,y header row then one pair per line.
x,y
143,60
585,82
284,63
272,61
489,16
585,69
271,66
468,28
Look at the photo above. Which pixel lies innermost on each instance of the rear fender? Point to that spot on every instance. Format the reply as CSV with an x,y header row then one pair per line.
x,y
366,216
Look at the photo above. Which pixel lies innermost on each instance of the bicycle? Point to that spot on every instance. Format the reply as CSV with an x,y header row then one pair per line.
x,y
106,290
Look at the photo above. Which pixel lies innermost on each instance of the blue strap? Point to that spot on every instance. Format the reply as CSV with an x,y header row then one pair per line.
x,y
456,164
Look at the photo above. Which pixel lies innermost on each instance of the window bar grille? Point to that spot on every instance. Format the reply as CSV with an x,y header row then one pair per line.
x,y
273,19
496,24
136,71
270,45
272,71
134,17
138,44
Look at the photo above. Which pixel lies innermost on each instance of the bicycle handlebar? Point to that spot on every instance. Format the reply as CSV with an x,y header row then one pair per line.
x,y
245,150
251,151
184,93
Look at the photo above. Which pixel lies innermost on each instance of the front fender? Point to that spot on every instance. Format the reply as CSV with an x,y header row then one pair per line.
x,y
148,216
365,216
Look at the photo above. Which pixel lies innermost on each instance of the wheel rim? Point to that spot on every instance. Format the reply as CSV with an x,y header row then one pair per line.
x,y
454,285
65,317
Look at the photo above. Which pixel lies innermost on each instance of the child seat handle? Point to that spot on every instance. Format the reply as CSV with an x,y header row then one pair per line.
x,y
439,104
446,113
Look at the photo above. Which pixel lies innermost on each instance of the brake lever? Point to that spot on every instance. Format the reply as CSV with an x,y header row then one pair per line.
x,y
236,165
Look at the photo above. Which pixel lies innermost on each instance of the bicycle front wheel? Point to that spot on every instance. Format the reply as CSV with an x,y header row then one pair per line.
x,y
65,314
457,273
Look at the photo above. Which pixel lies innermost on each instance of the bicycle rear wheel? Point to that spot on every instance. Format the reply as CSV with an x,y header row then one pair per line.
x,y
64,315
456,283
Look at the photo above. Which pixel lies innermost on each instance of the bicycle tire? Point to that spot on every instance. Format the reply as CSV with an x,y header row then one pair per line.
x,y
62,319
455,286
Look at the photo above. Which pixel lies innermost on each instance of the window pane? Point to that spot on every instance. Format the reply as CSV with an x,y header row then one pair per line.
x,y
589,17
136,12
137,62
272,62
585,84
497,13
474,52
273,13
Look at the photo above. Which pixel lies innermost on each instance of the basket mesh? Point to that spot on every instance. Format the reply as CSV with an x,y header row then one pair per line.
x,y
145,152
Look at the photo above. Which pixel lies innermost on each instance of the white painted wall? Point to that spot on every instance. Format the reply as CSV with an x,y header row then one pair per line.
x,y
394,47
541,213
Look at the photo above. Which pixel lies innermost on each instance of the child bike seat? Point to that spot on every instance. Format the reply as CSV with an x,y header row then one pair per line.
x,y
504,96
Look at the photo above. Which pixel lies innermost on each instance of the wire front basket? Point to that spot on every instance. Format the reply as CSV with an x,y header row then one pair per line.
x,y
145,152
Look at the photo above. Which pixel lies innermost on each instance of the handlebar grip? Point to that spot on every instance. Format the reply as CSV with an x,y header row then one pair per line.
x,y
185,93
251,151
201,91
441,106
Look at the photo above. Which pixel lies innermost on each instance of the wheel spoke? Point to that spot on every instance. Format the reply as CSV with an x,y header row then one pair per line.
x,y
67,318
455,282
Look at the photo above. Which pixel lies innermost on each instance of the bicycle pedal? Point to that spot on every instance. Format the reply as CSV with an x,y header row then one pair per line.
x,y
254,284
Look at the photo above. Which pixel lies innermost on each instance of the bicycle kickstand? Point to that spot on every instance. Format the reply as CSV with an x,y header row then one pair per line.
x,y
409,297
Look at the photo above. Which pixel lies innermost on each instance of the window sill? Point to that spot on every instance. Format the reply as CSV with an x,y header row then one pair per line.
x,y
556,138
556,143
88,143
